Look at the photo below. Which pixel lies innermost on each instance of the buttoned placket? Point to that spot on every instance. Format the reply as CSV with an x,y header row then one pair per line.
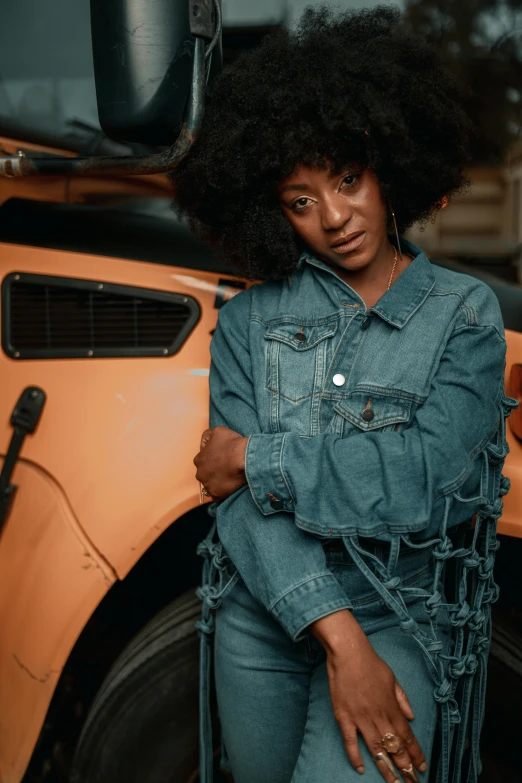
x,y
408,293
355,320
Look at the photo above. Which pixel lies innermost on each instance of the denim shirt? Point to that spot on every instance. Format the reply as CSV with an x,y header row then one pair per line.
x,y
384,423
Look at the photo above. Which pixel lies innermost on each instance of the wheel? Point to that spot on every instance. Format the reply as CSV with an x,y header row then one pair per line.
x,y
500,741
143,724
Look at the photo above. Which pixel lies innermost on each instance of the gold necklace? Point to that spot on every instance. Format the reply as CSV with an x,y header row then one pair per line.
x,y
395,256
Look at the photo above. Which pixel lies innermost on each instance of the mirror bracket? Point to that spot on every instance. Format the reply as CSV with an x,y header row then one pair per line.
x,y
202,18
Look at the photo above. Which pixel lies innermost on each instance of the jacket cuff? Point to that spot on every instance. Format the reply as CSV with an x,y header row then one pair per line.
x,y
264,473
316,597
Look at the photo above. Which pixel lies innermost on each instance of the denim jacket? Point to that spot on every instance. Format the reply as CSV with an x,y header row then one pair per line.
x,y
381,423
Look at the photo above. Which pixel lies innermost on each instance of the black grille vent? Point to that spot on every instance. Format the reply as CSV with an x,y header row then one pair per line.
x,y
49,317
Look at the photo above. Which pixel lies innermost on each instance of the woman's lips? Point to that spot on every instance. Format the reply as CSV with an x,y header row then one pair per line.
x,y
352,244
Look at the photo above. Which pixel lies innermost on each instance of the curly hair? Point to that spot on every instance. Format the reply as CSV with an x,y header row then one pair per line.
x,y
343,88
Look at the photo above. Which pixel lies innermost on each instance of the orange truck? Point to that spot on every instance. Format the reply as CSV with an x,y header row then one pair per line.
x,y
107,311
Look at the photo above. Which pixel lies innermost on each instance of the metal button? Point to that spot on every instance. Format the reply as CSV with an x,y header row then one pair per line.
x,y
368,414
339,379
275,503
301,337
365,324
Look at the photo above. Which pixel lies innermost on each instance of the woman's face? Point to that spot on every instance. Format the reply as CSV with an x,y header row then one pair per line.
x,y
341,217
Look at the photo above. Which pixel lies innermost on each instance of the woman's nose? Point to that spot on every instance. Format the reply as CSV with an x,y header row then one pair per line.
x,y
335,214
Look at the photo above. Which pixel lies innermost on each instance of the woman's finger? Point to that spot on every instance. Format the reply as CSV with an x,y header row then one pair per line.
x,y
385,759
205,438
408,755
412,753
349,732
403,701
385,766
382,759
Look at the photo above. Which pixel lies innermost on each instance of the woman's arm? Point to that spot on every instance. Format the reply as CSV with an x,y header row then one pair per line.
x,y
389,482
384,482
282,566
366,697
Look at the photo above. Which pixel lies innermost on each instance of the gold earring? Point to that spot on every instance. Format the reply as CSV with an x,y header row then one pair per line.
x,y
396,232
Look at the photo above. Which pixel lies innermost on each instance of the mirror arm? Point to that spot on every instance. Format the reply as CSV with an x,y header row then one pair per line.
x,y
21,166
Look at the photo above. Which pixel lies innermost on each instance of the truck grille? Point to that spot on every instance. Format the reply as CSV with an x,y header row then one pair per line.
x,y
45,317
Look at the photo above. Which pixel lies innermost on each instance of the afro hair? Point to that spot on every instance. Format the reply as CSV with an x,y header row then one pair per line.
x,y
342,88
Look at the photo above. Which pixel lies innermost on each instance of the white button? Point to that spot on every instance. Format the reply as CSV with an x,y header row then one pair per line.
x,y
339,379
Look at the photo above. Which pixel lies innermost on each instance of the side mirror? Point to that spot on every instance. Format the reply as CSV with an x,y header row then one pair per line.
x,y
143,64
151,63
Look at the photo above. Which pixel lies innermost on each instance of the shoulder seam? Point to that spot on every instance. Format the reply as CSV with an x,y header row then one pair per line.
x,y
481,326
469,311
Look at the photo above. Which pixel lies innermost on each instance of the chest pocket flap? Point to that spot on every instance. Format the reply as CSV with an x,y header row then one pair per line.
x,y
369,411
299,336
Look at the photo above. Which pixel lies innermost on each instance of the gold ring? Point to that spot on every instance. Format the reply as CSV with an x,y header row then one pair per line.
x,y
411,774
391,743
203,492
386,761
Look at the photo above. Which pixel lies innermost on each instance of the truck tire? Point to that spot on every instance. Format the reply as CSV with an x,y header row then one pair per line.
x,y
500,740
143,724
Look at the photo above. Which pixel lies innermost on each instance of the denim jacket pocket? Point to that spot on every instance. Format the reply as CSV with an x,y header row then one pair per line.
x,y
367,411
297,355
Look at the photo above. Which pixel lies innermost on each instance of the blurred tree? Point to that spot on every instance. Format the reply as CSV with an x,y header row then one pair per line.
x,y
482,42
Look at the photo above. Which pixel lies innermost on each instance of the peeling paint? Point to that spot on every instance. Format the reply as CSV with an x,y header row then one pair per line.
x,y
132,31
93,563
195,282
29,672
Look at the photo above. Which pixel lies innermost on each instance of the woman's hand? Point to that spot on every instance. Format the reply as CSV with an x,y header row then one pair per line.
x,y
366,697
220,462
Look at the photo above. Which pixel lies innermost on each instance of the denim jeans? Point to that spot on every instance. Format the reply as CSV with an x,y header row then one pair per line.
x,y
273,696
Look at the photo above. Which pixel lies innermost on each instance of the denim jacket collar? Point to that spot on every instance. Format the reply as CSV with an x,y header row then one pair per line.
x,y
406,295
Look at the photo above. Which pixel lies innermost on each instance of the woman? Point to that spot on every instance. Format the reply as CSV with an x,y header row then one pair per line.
x,y
357,415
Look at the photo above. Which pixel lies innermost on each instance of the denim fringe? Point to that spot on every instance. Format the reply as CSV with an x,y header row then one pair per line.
x,y
214,587
459,676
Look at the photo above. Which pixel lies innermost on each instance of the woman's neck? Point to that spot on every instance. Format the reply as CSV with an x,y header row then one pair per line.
x,y
371,283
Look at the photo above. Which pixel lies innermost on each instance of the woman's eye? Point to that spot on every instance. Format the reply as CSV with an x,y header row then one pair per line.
x,y
350,180
300,204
